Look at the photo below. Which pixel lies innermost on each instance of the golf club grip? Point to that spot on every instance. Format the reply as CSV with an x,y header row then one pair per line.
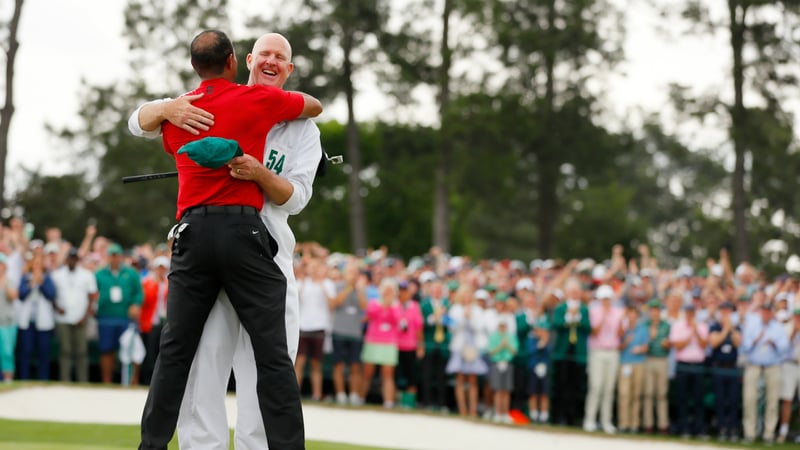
x,y
149,176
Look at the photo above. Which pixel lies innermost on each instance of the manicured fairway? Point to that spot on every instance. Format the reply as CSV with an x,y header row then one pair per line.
x,y
25,435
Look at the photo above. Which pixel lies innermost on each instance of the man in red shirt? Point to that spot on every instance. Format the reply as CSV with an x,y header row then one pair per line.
x,y
221,243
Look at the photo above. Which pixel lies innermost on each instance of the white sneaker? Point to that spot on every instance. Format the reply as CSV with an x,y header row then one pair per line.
x,y
609,429
355,400
488,414
497,418
544,417
507,419
590,427
534,415
341,398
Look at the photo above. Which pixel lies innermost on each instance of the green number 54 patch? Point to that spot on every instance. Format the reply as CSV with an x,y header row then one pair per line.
x,y
275,161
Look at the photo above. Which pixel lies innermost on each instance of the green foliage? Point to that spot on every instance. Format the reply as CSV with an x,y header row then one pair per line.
x,y
397,198
597,218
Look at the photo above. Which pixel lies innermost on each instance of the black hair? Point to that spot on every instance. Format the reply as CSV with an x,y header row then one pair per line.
x,y
210,51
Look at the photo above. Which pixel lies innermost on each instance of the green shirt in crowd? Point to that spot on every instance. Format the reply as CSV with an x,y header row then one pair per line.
x,y
429,327
505,354
654,348
117,291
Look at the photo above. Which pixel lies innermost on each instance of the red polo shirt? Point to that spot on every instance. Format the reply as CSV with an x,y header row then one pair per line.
x,y
242,113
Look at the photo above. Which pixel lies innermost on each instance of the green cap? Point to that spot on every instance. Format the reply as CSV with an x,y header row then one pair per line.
x,y
654,303
501,297
114,249
490,288
211,152
796,311
452,285
3,258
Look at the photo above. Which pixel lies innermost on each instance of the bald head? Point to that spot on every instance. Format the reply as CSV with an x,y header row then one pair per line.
x,y
270,63
276,40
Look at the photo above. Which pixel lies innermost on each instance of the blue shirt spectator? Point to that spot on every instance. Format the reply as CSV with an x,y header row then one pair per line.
x,y
639,335
764,344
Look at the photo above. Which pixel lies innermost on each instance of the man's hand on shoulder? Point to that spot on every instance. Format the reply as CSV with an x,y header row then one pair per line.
x,y
181,113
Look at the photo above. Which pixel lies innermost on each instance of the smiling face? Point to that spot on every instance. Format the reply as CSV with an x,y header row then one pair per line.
x,y
270,63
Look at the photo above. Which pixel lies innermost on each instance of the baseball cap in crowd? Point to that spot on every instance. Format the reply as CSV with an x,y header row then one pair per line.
x,y
696,292
767,305
654,303
501,297
452,285
211,152
3,258
524,284
161,261
796,310
481,294
727,305
490,288
427,276
50,248
403,284
604,292
114,249
36,243
689,307
517,265
598,272
72,252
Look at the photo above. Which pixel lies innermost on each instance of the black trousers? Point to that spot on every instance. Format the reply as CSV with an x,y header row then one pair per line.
x,y
222,249
434,378
690,384
728,397
568,391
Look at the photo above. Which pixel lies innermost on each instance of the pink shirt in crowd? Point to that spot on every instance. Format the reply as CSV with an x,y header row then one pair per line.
x,y
607,338
411,316
693,352
382,323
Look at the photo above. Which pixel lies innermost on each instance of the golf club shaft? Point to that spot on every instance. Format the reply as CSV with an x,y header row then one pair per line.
x,y
149,176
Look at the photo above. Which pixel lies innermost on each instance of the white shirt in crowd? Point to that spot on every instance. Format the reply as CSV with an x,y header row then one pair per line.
x,y
315,314
73,288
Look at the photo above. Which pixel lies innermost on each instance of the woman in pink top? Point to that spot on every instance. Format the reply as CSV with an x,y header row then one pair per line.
x,y
380,341
410,344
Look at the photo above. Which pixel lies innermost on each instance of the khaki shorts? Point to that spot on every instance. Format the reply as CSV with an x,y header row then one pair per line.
x,y
790,380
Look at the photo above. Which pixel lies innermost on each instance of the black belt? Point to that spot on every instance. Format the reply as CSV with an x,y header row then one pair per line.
x,y
724,364
226,209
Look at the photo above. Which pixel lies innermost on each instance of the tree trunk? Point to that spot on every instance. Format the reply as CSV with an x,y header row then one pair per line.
x,y
547,160
8,108
741,248
358,230
441,200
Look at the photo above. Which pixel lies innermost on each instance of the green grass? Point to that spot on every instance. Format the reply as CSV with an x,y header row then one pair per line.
x,y
26,435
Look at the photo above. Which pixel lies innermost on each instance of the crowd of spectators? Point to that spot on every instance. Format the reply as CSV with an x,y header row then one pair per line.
x,y
622,345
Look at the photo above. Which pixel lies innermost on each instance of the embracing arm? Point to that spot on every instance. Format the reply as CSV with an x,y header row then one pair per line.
x,y
146,120
311,106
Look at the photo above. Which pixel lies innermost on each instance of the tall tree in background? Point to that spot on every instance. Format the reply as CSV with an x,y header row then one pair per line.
x,y
763,48
441,200
7,112
549,50
333,42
